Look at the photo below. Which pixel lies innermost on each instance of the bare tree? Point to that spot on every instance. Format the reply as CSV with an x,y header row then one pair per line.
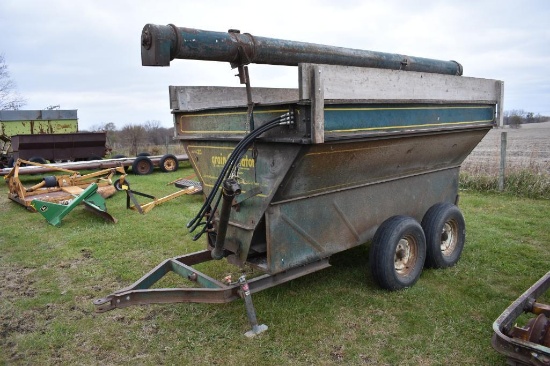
x,y
111,132
515,121
135,136
156,134
9,98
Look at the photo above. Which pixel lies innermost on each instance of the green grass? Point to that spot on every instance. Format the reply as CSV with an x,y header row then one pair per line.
x,y
50,276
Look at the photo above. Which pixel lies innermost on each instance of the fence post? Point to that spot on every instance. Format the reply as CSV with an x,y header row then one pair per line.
x,y
501,171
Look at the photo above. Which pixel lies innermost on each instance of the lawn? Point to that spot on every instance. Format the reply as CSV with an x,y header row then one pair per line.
x,y
50,276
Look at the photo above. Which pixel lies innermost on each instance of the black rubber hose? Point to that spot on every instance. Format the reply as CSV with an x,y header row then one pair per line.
x,y
234,158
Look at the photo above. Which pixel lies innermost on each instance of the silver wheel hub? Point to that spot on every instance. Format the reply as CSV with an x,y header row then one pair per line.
x,y
403,255
448,238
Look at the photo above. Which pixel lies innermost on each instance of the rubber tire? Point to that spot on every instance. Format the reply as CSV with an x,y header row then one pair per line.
x,y
94,157
433,224
50,181
168,163
118,185
143,154
38,159
383,252
142,165
118,156
11,162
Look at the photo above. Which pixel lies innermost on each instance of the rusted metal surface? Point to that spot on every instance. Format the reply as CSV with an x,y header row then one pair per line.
x,y
356,184
528,344
162,43
59,188
67,146
38,122
33,122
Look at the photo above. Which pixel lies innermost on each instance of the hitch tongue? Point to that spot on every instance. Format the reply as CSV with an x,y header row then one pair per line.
x,y
230,189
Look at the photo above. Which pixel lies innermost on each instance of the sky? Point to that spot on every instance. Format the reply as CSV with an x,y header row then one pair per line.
x,y
86,55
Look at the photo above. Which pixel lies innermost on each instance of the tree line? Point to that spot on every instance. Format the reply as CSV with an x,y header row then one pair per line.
x,y
135,138
516,117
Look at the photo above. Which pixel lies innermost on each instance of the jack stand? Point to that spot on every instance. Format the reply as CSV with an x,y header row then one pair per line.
x,y
250,312
93,201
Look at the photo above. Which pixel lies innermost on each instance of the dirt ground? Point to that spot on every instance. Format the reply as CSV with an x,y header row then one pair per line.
x,y
527,147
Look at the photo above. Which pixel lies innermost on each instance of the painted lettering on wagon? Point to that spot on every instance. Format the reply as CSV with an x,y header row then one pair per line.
x,y
220,160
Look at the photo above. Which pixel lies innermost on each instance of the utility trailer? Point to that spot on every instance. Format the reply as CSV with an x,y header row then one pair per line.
x,y
140,165
42,148
36,124
368,148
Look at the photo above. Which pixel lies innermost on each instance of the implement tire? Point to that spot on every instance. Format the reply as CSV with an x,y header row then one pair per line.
x,y
445,231
142,165
168,163
50,181
38,159
397,253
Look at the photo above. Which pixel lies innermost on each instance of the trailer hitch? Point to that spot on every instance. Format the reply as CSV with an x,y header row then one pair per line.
x,y
209,290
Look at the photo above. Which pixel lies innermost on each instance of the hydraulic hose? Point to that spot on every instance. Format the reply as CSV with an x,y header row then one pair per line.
x,y
230,189
232,161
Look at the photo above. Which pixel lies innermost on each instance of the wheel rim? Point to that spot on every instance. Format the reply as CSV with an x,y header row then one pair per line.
x,y
169,164
143,167
405,256
449,237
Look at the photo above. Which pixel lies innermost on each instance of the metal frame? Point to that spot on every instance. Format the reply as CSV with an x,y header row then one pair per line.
x,y
212,290
515,348
63,190
144,208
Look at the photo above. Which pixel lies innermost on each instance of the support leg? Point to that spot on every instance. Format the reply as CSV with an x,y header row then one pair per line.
x,y
250,312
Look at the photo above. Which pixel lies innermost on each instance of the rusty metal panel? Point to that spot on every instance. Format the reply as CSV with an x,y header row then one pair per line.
x,y
38,122
232,123
322,199
160,44
304,230
260,173
51,147
529,344
373,164
336,166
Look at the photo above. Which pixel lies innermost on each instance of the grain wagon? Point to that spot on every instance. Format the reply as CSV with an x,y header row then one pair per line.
x,y
367,149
